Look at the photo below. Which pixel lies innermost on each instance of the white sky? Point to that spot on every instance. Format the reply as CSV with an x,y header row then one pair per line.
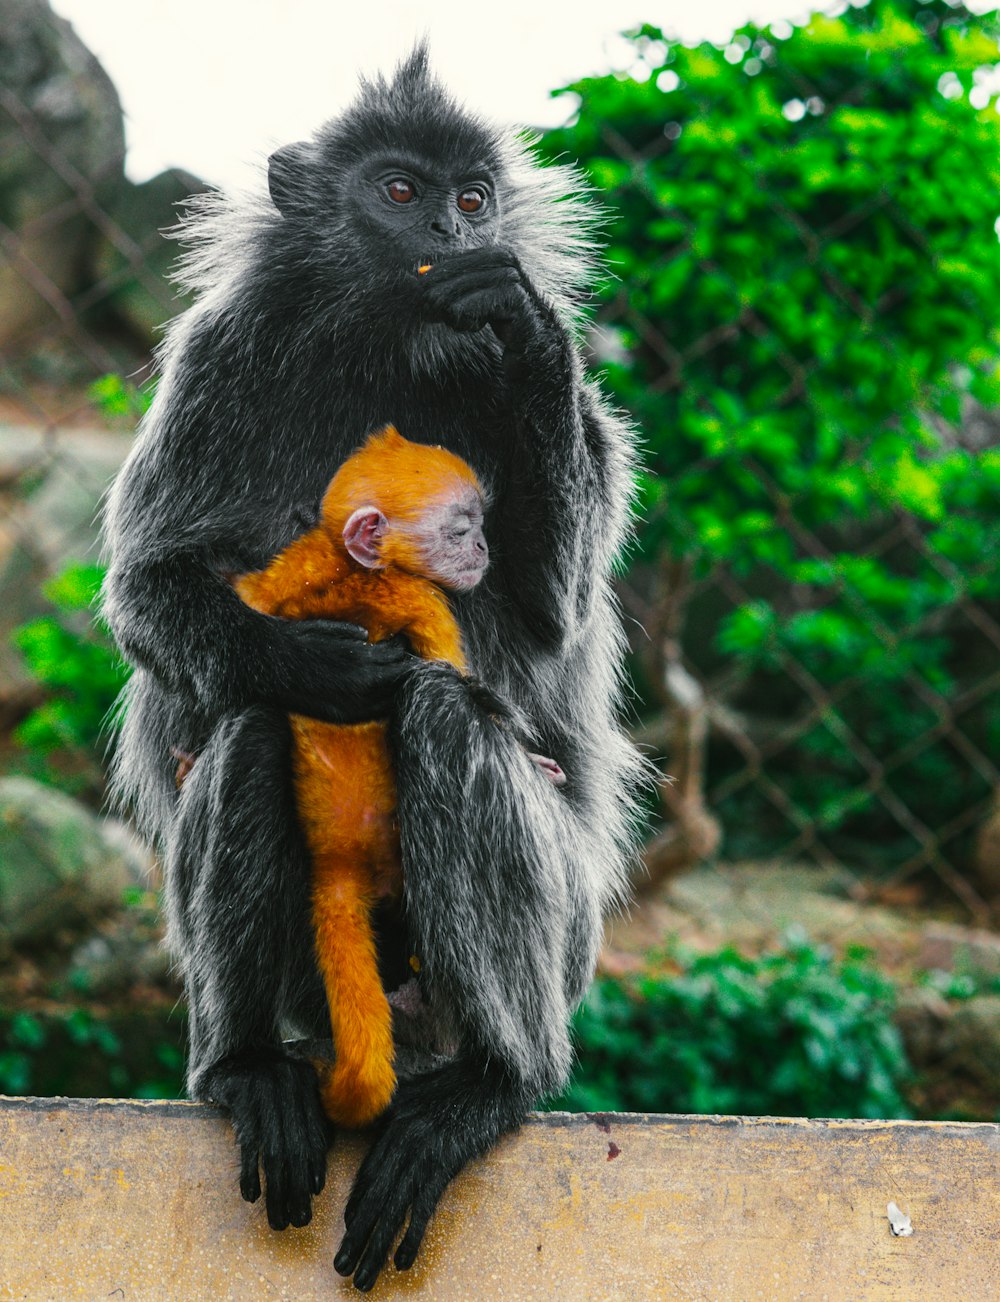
x,y
213,84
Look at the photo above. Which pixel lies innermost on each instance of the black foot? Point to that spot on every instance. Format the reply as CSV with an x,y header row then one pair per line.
x,y
280,1126
436,1124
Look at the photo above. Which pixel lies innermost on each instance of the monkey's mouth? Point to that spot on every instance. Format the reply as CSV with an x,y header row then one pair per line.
x,y
468,579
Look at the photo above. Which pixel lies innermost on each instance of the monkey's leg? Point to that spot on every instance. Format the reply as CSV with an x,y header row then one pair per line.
x,y
362,1080
436,1124
237,844
505,878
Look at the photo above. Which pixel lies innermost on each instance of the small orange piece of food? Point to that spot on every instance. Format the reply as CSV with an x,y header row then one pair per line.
x,y
422,271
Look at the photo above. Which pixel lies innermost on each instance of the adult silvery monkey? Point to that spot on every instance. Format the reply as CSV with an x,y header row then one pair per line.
x,y
409,264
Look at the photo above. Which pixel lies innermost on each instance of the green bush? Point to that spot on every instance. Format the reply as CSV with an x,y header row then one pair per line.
x,y
119,400
792,1033
85,1053
71,654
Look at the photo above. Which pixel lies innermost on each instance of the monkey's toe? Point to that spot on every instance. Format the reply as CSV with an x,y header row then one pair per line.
x,y
281,1129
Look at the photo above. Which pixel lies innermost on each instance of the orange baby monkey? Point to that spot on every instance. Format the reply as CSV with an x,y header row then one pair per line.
x,y
399,522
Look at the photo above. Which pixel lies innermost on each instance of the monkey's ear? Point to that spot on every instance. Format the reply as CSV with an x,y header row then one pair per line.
x,y
286,176
364,534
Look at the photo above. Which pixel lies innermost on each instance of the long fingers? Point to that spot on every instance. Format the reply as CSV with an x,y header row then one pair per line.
x,y
249,1169
423,1209
283,1136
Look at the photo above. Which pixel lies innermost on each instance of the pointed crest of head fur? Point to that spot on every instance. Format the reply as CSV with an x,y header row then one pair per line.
x,y
415,110
411,82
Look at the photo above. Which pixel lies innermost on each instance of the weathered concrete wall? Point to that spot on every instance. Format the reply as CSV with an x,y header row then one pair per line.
x,y
139,1202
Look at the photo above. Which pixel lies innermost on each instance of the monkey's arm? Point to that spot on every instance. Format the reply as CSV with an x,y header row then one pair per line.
x,y
181,620
180,514
565,478
308,581
567,490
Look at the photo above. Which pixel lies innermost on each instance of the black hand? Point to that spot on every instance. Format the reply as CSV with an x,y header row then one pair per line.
x,y
480,287
328,670
437,1123
280,1125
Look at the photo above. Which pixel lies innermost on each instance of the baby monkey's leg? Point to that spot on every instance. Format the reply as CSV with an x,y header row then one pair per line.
x,y
549,767
358,1087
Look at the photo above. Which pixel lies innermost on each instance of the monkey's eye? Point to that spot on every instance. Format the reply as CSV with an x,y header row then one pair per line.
x,y
471,200
400,191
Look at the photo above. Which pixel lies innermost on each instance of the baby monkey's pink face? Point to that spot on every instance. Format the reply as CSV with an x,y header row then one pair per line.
x,y
443,542
449,536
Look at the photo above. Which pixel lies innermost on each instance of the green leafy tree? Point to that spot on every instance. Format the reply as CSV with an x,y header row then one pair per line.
x,y
804,311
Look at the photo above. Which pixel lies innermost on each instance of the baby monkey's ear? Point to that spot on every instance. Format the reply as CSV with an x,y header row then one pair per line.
x,y
364,534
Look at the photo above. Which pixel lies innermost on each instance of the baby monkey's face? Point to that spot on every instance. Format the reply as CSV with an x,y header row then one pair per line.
x,y
427,522
449,539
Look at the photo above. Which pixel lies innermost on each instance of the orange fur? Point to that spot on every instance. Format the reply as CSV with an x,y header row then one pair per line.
x,y
343,777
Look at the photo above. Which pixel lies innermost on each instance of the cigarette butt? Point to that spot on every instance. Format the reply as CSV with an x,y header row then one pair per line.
x,y
423,270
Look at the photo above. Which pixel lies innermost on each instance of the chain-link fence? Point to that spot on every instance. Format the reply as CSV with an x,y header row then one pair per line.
x,y
803,322
808,342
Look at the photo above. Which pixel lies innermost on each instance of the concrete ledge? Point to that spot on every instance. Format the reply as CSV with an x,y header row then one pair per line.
x,y
139,1202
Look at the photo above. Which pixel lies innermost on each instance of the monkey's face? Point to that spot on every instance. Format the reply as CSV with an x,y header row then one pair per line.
x,y
415,207
447,543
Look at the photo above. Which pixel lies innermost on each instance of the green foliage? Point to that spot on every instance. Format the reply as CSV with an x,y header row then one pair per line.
x,y
964,981
806,302
89,1054
792,1033
119,399
71,654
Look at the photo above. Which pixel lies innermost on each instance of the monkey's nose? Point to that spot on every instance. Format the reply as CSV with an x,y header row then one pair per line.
x,y
442,226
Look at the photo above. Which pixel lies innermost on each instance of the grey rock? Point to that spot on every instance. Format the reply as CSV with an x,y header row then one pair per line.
x,y
974,1039
110,963
135,260
958,1036
60,867
62,149
949,947
923,1017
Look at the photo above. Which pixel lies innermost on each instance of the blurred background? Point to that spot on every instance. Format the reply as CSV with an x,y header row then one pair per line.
x,y
801,312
